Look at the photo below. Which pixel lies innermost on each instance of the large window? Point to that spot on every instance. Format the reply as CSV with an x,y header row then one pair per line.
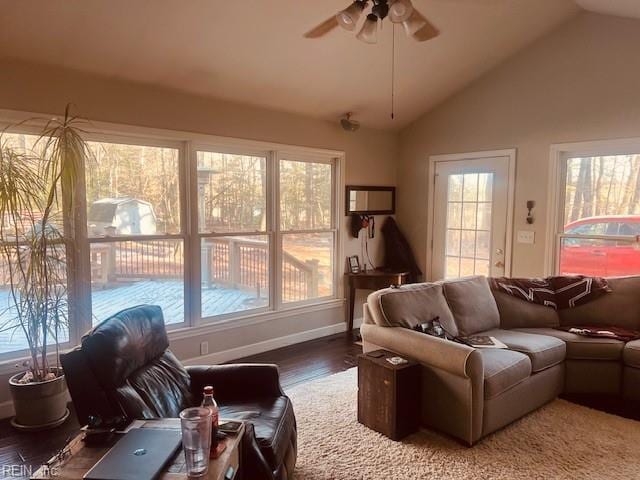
x,y
306,227
232,222
12,335
207,233
244,249
134,228
600,215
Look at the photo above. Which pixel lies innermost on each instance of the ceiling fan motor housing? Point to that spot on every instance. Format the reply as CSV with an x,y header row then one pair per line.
x,y
380,8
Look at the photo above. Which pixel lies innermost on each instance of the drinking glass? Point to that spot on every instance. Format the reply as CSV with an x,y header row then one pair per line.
x,y
196,439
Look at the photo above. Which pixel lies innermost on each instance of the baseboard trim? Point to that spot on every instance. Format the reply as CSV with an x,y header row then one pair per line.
x,y
266,345
6,409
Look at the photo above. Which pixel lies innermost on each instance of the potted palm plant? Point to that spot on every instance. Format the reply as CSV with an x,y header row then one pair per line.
x,y
37,185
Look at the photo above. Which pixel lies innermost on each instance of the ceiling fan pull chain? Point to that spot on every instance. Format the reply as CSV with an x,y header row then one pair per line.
x,y
393,68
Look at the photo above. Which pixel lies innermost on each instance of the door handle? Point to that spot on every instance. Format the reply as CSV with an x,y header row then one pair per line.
x,y
598,253
499,264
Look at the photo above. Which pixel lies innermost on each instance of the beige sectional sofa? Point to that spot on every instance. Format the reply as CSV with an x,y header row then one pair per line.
x,y
470,393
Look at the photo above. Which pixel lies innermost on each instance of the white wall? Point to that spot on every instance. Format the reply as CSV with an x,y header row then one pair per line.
x,y
579,83
370,160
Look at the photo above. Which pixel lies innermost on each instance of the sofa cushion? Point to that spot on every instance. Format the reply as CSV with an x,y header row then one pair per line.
x,y
631,354
620,307
543,351
580,347
503,369
410,305
473,306
518,313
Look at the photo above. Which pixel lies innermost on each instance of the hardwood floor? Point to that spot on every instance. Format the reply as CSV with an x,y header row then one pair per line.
x,y
308,361
298,364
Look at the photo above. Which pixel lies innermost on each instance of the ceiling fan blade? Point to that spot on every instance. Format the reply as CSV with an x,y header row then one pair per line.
x,y
323,28
426,32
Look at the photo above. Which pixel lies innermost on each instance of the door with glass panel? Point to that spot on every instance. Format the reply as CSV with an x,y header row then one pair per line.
x,y
470,218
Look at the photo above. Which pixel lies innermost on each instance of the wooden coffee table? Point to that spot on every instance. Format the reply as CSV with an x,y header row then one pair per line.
x,y
78,458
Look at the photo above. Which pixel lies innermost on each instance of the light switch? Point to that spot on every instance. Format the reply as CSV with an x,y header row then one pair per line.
x,y
526,236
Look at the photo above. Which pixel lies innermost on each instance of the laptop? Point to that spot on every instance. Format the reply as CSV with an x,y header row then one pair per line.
x,y
140,454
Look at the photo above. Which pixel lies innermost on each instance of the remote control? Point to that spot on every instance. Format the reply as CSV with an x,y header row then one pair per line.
x,y
397,360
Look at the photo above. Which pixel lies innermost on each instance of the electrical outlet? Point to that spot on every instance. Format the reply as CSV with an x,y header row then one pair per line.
x,y
204,348
526,236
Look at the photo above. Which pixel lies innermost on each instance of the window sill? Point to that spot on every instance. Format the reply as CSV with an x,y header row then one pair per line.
x,y
252,319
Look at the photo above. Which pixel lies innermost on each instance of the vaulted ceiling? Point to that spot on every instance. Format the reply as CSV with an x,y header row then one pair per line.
x,y
253,51
620,8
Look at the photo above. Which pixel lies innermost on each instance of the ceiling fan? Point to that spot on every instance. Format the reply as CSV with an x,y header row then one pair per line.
x,y
403,12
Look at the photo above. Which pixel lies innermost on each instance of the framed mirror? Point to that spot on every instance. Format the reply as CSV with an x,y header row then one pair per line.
x,y
368,200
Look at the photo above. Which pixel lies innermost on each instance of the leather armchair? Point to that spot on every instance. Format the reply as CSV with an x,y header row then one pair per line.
x,y
123,368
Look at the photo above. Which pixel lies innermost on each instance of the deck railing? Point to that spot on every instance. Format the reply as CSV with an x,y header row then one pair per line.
x,y
233,262
5,277
243,263
5,271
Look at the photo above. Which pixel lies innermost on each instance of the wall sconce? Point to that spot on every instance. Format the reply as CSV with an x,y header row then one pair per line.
x,y
530,206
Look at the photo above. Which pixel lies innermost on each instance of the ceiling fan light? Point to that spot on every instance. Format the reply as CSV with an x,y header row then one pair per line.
x,y
348,18
400,10
369,31
412,24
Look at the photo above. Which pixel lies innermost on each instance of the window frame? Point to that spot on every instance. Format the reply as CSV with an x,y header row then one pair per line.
x,y
85,241
292,155
559,156
196,256
73,301
80,318
273,231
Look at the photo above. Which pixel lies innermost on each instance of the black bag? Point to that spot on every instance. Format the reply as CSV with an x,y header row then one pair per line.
x,y
397,251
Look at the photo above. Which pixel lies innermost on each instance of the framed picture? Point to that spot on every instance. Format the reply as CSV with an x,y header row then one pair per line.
x,y
354,264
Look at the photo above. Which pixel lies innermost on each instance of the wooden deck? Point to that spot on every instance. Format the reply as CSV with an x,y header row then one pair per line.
x,y
168,294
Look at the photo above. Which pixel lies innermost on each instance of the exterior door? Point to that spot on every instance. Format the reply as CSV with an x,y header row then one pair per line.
x,y
470,218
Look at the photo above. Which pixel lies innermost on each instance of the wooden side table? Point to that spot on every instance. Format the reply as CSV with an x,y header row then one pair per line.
x,y
388,395
371,280
78,458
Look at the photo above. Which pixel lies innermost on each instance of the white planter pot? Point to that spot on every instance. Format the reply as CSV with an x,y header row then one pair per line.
x,y
39,405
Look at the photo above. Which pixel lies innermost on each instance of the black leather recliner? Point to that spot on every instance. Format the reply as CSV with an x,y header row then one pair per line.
x,y
123,368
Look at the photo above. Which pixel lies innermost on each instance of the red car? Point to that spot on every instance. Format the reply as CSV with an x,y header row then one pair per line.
x,y
600,257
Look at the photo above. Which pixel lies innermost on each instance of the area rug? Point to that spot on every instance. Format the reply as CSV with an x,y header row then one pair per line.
x,y
560,441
